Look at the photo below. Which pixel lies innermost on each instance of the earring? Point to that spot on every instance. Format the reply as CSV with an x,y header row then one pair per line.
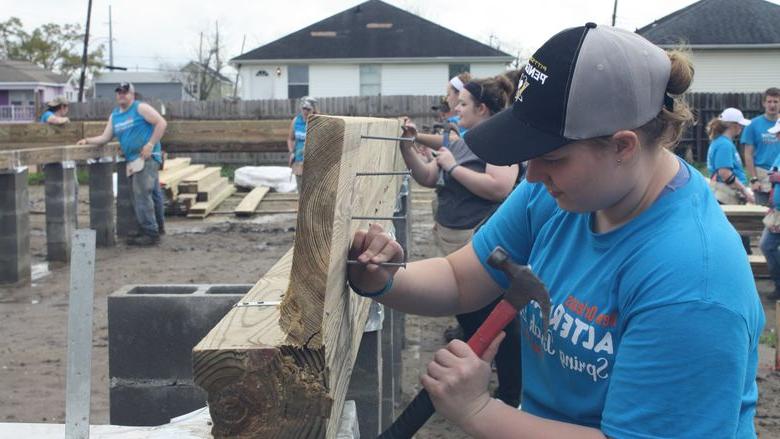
x,y
619,162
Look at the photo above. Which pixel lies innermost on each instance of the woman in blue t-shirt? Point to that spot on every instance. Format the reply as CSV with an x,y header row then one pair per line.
x,y
655,319
727,175
296,140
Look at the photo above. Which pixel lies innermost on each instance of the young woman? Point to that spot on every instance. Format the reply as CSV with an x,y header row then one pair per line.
x,y
655,318
727,176
296,140
56,112
770,238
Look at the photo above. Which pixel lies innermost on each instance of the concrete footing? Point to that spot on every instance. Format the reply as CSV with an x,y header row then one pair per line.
x,y
101,203
151,331
126,223
14,227
61,214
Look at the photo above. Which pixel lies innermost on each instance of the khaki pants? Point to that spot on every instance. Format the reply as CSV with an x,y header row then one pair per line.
x,y
763,179
297,170
449,240
725,194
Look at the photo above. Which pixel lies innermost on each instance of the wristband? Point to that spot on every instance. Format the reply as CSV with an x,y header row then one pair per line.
x,y
754,180
731,179
372,295
449,171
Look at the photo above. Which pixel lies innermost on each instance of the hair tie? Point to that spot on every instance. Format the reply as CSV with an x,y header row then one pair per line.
x,y
456,83
668,102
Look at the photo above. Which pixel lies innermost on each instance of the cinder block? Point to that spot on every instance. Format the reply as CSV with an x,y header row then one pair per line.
x,y
101,203
151,331
14,227
60,190
153,403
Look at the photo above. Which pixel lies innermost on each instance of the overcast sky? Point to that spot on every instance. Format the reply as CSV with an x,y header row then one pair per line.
x,y
150,34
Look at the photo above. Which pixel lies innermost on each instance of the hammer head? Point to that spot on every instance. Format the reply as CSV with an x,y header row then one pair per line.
x,y
524,285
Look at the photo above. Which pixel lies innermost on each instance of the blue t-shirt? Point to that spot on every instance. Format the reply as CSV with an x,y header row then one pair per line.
x,y
456,121
654,327
723,154
300,137
45,116
766,146
776,186
133,132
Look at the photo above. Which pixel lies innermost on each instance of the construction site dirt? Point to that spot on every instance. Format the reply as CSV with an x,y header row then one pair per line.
x,y
220,249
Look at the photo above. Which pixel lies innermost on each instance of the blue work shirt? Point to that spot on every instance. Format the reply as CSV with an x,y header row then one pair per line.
x,y
45,116
655,325
133,132
299,128
723,154
766,147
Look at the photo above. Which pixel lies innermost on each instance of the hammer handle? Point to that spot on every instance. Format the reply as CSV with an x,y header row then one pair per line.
x,y
421,408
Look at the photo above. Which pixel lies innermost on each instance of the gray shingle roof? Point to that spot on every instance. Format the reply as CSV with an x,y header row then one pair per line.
x,y
24,71
373,29
718,22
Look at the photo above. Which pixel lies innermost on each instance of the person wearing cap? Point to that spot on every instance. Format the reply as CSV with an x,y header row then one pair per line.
x,y
56,110
762,148
655,320
296,140
139,128
727,176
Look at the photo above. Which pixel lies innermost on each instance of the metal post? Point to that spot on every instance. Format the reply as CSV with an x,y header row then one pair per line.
x,y
82,277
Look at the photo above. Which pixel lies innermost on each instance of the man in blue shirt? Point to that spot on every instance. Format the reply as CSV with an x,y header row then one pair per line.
x,y
761,147
139,128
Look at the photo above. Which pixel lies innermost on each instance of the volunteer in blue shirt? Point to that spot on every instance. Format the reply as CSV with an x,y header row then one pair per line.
x,y
296,140
655,319
761,147
139,128
455,130
56,111
770,237
727,177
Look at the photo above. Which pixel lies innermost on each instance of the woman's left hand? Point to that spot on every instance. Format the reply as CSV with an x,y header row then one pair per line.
x,y
444,158
457,380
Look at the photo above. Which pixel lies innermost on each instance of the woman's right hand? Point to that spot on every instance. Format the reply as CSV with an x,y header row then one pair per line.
x,y
370,248
409,128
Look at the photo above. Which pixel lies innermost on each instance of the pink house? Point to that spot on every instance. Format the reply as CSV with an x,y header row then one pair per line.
x,y
24,85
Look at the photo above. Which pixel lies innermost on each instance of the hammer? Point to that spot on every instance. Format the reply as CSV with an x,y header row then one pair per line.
x,y
524,286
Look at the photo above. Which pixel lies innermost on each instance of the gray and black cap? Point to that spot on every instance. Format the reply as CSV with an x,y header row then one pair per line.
x,y
584,82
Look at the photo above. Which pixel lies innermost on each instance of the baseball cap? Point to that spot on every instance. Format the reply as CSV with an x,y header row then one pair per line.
x,y
775,129
584,82
308,102
733,115
125,87
59,100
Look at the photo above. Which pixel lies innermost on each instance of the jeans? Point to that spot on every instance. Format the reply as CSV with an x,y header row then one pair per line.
x,y
143,184
159,206
769,246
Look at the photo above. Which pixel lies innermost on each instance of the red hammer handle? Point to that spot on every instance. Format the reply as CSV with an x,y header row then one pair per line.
x,y
501,315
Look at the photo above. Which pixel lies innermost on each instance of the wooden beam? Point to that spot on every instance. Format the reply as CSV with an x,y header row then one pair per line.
x,y
55,154
169,181
193,183
202,210
27,133
210,190
248,205
177,163
286,373
759,266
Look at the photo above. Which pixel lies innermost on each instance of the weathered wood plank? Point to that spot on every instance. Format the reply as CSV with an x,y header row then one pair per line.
x,y
210,190
759,266
202,210
177,163
193,183
169,181
55,154
249,203
290,379
40,133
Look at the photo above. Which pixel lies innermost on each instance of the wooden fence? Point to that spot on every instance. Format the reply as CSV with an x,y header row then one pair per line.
x,y
705,105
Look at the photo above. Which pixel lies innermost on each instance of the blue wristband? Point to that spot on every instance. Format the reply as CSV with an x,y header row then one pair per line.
x,y
373,295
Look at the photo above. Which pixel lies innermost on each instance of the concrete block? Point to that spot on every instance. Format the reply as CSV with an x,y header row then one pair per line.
x,y
153,402
101,203
126,223
14,228
61,215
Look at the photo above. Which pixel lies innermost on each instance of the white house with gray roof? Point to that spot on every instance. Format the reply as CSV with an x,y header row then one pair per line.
x,y
735,44
370,49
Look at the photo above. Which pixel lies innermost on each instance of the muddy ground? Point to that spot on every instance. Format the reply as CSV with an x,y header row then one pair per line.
x,y
218,250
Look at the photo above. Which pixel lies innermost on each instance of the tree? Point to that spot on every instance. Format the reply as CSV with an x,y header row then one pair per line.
x,y
204,73
51,46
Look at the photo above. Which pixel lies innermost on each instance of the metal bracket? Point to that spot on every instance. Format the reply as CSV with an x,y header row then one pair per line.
x,y
258,303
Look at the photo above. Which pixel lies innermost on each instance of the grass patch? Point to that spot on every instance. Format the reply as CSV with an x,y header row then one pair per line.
x,y
229,171
769,338
35,178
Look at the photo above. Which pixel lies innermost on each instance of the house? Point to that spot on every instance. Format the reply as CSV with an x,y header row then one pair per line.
x,y
152,86
204,83
370,49
735,45
25,86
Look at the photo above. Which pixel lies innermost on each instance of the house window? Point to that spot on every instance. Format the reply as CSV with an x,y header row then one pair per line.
x,y
297,81
456,69
370,80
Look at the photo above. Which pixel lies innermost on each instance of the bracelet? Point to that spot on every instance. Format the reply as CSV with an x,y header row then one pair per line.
x,y
375,294
754,180
731,179
449,171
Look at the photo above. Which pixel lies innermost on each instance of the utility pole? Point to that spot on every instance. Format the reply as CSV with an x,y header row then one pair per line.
x,y
110,39
201,73
614,13
84,55
235,85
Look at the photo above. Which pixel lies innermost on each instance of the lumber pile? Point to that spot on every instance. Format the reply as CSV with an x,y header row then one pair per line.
x,y
193,190
745,218
282,371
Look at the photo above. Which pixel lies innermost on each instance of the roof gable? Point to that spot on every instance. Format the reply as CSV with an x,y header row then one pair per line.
x,y
373,29
24,71
718,22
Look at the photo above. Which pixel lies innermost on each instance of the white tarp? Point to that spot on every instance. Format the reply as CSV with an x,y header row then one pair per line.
x,y
279,178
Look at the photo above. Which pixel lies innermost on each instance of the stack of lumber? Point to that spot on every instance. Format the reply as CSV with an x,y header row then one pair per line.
x,y
194,190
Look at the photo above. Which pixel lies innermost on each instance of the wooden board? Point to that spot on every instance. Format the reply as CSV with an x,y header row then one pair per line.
x,y
177,163
210,190
26,133
169,181
287,375
55,154
759,266
194,182
187,200
249,204
202,210
750,210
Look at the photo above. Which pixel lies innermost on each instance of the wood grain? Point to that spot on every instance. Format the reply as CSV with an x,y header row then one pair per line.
x,y
248,205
